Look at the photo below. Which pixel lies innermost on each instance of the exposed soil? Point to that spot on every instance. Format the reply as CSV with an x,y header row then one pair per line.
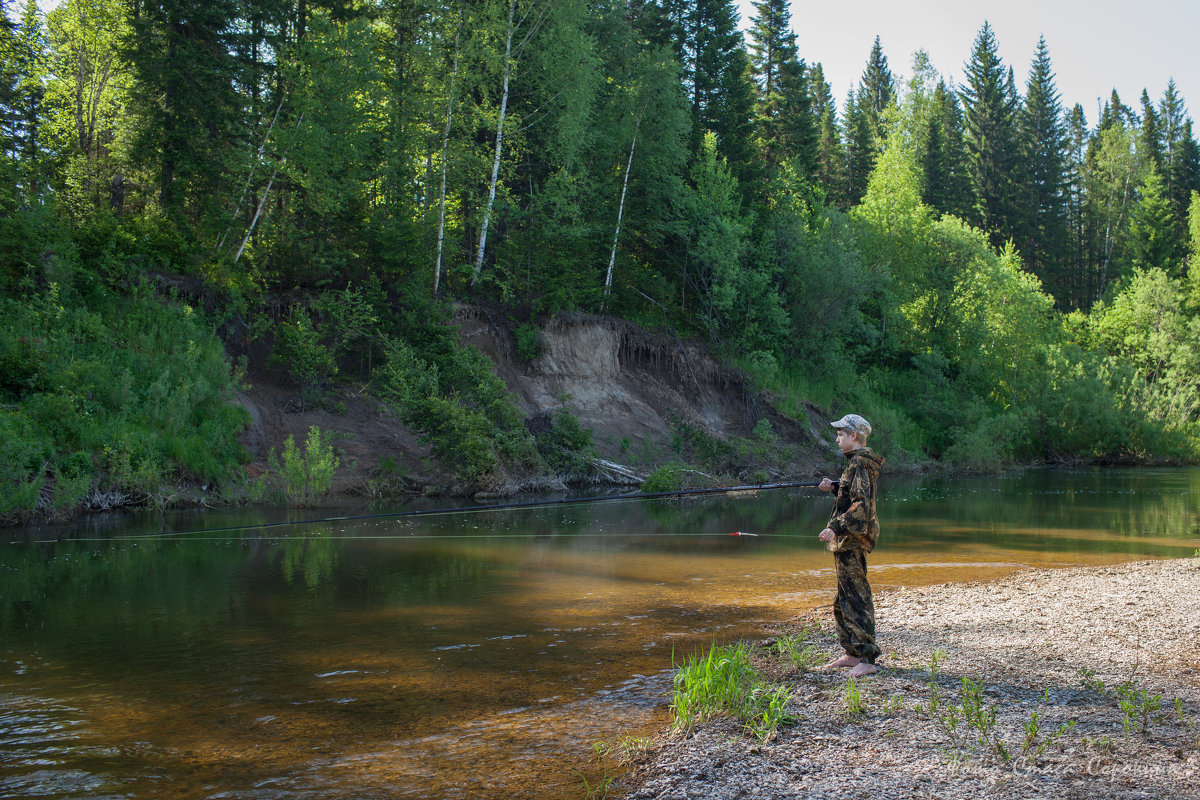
x,y
1025,639
624,383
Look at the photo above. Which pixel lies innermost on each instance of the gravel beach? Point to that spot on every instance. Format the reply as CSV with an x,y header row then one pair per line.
x,y
1049,651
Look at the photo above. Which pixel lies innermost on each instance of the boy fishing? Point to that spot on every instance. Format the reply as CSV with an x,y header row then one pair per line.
x,y
851,533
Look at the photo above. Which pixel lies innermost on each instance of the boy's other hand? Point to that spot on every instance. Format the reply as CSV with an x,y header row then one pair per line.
x,y
826,535
826,485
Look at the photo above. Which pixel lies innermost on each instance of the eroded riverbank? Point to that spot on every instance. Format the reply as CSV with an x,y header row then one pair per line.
x,y
1050,646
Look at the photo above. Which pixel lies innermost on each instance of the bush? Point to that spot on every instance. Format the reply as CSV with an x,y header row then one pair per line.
x,y
461,409
567,446
113,393
299,350
307,474
667,478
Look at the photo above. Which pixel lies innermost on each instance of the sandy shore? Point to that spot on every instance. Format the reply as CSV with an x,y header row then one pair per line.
x,y
1025,639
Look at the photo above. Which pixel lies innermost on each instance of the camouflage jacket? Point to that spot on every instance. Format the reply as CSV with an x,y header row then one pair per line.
x,y
853,521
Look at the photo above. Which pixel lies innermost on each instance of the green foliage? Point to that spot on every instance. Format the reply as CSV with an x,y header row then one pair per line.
x,y
1139,707
460,407
724,681
567,446
854,697
529,342
307,473
108,398
667,478
298,349
1036,739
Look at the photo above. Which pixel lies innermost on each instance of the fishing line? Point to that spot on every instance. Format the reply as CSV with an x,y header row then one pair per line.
x,y
432,512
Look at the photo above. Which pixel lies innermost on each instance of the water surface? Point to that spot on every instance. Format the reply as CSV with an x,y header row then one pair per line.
x,y
461,655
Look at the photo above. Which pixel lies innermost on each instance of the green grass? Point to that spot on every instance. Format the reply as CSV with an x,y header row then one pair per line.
x,y
725,682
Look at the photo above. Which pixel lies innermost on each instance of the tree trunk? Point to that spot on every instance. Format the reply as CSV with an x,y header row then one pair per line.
x,y
612,256
487,210
437,268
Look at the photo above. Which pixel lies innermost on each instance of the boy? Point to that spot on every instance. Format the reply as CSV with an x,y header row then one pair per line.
x,y
851,534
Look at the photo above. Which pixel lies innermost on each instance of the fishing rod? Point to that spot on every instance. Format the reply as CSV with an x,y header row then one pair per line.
x,y
429,512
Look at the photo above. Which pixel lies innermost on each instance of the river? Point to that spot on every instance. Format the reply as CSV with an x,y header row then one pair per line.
x,y
464,655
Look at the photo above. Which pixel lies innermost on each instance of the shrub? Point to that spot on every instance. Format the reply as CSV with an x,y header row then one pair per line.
x,y
567,446
298,349
461,409
667,478
307,474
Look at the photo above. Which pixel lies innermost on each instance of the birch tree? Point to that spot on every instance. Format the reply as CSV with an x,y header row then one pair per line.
x,y
517,33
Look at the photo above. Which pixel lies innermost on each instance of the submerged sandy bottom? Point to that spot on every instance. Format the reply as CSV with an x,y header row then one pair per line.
x,y
1025,638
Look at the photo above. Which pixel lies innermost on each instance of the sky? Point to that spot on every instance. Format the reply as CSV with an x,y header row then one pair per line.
x,y
1095,45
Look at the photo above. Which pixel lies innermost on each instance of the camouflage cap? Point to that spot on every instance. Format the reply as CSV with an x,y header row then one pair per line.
x,y
855,423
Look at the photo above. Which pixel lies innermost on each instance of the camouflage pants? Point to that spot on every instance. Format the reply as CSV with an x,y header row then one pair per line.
x,y
853,608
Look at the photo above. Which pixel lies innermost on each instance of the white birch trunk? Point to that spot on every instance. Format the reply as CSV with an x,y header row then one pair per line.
x,y
437,268
245,189
612,255
487,211
263,202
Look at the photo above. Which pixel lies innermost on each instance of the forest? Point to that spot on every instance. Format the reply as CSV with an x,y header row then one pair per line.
x,y
988,276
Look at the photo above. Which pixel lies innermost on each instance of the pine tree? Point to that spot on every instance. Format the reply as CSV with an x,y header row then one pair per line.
x,y
786,127
989,117
31,69
876,89
862,150
715,73
1041,121
953,194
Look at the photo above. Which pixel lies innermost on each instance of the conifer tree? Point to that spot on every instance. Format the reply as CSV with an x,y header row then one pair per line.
x,y
953,194
1180,157
988,116
1152,227
862,150
1041,124
1150,143
31,70
1075,209
182,55
8,94
715,73
786,127
829,168
876,89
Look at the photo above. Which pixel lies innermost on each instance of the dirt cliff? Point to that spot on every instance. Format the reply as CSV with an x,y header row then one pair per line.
x,y
633,388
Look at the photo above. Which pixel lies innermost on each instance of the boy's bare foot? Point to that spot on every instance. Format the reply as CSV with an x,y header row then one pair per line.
x,y
863,668
845,661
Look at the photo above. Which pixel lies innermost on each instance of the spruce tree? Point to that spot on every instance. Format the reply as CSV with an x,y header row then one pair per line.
x,y
876,89
715,73
8,95
31,69
989,115
786,127
1041,123
1180,159
1151,141
1075,208
862,150
954,195
182,57
1152,237
829,168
